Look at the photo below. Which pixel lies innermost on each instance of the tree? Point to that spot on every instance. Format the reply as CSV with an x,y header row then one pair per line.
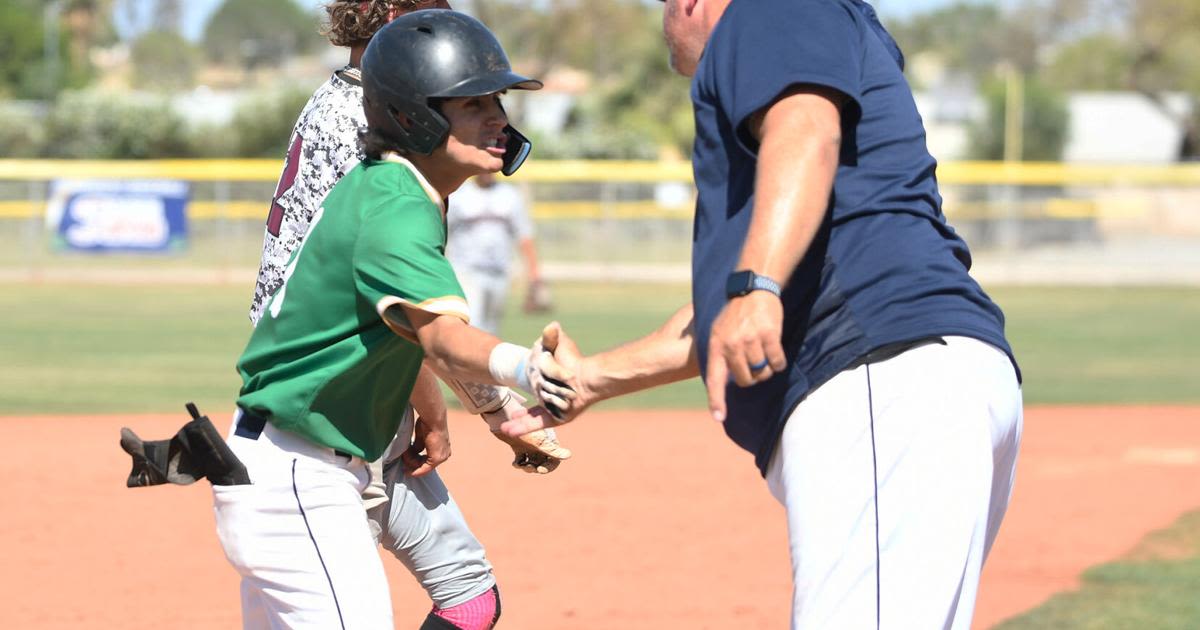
x,y
636,104
1147,46
263,32
87,25
602,38
26,70
1166,44
648,98
22,61
164,60
1044,128
970,39
168,15
1095,62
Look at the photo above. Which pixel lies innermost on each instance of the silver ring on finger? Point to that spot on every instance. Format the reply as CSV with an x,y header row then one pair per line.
x,y
755,367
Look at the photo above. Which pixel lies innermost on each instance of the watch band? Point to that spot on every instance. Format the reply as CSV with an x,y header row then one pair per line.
x,y
763,283
744,281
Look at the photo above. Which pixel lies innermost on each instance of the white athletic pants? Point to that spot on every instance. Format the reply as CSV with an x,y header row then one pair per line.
x,y
895,476
486,292
298,536
422,526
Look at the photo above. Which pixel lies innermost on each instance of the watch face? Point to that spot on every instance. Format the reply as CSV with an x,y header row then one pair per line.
x,y
739,283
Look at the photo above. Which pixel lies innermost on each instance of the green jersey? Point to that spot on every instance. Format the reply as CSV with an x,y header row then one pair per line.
x,y
321,362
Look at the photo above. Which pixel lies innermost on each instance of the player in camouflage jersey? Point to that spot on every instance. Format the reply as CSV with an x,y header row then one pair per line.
x,y
324,144
366,298
422,526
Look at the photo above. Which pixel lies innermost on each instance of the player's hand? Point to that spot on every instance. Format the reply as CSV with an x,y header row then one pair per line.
x,y
537,298
548,379
744,346
536,452
566,353
430,447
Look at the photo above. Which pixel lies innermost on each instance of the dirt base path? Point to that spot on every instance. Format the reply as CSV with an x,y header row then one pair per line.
x,y
681,534
1091,483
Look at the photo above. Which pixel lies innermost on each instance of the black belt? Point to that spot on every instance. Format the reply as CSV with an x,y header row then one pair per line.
x,y
251,425
891,350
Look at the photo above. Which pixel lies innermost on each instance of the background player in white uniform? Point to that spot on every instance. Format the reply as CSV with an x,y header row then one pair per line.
x,y
486,219
421,525
366,298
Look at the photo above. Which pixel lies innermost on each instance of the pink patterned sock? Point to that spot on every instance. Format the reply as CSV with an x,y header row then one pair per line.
x,y
479,613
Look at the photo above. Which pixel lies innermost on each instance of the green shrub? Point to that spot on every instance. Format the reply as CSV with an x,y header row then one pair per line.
x,y
101,125
262,124
21,131
212,140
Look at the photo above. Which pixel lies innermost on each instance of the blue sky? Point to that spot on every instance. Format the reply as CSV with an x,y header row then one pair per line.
x,y
196,12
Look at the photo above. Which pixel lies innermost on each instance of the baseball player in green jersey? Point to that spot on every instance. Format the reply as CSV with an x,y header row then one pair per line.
x,y
366,298
415,515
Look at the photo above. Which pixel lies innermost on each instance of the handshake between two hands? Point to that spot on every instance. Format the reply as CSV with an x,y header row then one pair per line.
x,y
550,373
555,380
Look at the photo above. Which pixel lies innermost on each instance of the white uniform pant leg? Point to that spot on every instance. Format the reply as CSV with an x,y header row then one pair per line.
x,y
486,292
895,477
419,523
375,497
424,529
299,537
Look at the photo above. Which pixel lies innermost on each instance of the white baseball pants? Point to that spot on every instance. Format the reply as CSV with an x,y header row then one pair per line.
x,y
895,476
486,292
298,536
421,525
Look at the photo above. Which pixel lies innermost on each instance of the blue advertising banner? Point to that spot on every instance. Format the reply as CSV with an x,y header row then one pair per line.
x,y
118,215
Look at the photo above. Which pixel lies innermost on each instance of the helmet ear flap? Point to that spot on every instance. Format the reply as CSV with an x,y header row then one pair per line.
x,y
407,125
427,129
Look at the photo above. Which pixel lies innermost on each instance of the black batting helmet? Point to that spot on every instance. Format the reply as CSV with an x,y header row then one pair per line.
x,y
430,54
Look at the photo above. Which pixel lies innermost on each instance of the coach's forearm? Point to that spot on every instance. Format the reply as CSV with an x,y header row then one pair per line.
x,y
666,355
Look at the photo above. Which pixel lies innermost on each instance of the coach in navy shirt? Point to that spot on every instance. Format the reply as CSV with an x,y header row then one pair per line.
x,y
841,338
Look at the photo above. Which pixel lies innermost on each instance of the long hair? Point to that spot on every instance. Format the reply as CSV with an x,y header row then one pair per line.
x,y
353,22
375,144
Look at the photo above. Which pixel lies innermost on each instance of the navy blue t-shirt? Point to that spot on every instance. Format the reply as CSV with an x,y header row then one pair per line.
x,y
884,267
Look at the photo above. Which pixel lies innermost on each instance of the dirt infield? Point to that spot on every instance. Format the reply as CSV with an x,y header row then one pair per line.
x,y
682,534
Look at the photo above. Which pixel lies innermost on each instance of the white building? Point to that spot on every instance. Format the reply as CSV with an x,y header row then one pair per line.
x,y
1104,127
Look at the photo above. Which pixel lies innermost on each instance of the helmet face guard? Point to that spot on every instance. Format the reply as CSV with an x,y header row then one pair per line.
x,y
432,54
516,149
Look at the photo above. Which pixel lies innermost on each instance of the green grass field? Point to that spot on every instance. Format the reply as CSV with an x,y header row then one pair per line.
x,y
1152,588
150,348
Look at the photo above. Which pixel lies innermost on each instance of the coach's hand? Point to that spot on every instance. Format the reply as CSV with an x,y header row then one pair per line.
x,y
430,447
549,379
744,346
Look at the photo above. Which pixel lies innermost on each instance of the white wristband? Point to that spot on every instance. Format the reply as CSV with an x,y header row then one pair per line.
x,y
507,365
